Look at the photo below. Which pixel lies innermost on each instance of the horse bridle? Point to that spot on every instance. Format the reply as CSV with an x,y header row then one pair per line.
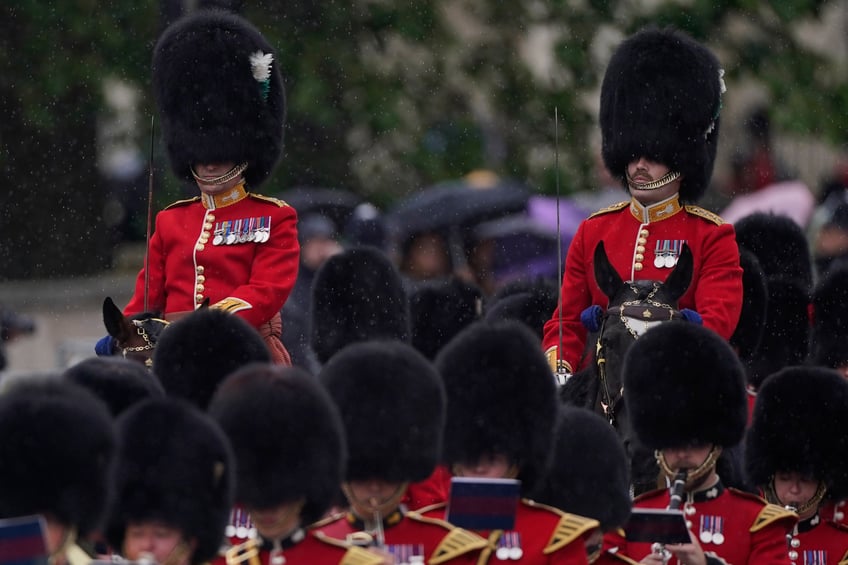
x,y
629,310
149,340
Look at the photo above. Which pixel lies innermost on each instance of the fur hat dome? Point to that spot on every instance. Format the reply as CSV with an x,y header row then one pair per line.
x,y
286,435
684,385
220,93
660,99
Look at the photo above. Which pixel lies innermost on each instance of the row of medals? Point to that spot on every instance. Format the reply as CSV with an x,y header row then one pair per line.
x,y
246,230
509,547
667,252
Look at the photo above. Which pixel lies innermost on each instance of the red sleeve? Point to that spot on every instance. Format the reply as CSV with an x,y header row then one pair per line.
x,y
273,271
156,284
718,296
768,545
576,297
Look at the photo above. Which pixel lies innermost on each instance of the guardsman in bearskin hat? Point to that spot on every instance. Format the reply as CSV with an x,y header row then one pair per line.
x,y
684,388
795,453
118,382
56,447
392,405
201,349
502,410
357,295
173,484
220,93
659,117
289,448
589,474
783,252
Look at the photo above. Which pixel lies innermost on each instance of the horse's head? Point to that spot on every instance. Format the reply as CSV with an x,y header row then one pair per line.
x,y
634,306
135,337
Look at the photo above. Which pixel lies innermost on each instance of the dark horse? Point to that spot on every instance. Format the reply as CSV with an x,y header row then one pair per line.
x,y
133,337
634,306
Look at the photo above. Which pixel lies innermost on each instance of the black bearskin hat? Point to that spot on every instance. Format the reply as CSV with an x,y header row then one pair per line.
x,y
174,466
829,343
118,382
392,406
439,310
199,350
501,398
220,93
357,295
530,302
589,473
779,244
799,425
56,452
749,331
684,385
660,99
286,435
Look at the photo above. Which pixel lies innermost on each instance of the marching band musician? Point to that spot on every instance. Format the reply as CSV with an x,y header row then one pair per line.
x,y
392,404
289,446
502,410
221,97
173,484
685,392
659,117
794,452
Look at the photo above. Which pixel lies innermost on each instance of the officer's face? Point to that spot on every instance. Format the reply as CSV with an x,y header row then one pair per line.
x,y
643,171
369,497
793,489
154,540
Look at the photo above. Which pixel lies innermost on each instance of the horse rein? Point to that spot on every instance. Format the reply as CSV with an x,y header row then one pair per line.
x,y
629,310
149,341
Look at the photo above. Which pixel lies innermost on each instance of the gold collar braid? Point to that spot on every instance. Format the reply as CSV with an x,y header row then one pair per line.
x,y
695,475
237,170
815,500
667,178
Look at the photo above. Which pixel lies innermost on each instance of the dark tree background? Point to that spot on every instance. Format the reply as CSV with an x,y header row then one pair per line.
x,y
384,97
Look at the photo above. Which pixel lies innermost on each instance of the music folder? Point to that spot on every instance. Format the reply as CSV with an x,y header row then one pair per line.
x,y
23,541
483,504
654,525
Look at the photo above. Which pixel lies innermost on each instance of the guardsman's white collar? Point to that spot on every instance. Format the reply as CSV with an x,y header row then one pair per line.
x,y
655,212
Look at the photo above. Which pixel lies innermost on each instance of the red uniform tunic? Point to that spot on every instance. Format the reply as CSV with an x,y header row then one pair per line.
x,y
634,236
411,536
251,276
818,542
546,535
302,548
835,512
736,527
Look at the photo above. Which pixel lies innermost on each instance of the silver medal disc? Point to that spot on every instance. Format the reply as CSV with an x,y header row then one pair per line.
x,y
670,261
718,538
516,553
231,239
659,261
502,553
706,536
218,239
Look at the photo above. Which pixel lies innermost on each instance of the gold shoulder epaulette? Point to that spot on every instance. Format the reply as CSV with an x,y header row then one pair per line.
x,y
360,556
608,209
569,528
437,506
324,521
247,553
182,202
706,214
770,514
277,201
459,541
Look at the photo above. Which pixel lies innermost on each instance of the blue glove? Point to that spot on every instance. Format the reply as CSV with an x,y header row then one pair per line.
x,y
592,317
692,316
104,346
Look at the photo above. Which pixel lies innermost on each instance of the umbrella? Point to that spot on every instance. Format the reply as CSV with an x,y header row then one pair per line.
x,y
334,203
476,198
